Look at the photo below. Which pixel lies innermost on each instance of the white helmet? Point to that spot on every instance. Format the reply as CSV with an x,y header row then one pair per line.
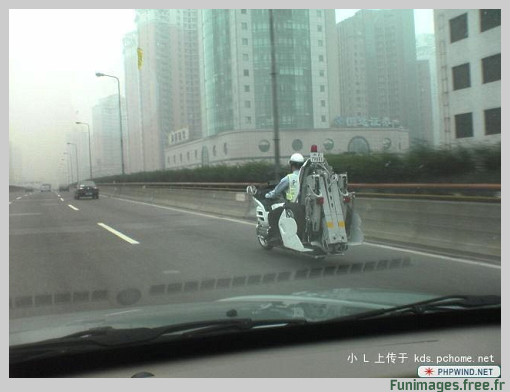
x,y
296,158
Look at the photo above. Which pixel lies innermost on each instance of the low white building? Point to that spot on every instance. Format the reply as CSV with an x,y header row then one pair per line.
x,y
468,46
237,147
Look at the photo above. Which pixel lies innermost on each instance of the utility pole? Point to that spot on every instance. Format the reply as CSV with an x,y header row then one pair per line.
x,y
275,99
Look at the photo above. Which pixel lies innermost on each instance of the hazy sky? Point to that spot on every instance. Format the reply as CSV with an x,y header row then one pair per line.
x,y
53,57
423,19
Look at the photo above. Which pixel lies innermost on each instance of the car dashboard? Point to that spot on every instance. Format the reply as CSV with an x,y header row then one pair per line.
x,y
388,347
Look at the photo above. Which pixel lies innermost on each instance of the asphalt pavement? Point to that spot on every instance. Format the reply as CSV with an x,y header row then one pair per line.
x,y
71,255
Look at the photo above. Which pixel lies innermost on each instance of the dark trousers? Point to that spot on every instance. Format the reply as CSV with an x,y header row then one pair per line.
x,y
274,216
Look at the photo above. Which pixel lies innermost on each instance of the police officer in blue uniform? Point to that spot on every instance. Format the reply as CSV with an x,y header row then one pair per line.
x,y
288,185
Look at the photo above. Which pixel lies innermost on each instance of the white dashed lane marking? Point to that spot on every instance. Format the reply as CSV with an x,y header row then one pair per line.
x,y
119,234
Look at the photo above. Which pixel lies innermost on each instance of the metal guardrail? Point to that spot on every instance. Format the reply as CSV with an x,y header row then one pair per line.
x,y
17,188
487,193
428,191
219,186
428,186
242,185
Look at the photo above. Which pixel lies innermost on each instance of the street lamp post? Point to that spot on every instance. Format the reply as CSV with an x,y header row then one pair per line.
x,y
99,74
76,157
90,155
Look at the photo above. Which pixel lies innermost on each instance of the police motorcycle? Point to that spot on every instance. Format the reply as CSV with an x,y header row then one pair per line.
x,y
321,222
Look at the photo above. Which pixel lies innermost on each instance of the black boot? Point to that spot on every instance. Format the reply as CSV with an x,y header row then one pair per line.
x,y
273,235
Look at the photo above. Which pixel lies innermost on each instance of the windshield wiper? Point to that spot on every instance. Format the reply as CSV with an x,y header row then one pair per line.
x,y
441,304
107,337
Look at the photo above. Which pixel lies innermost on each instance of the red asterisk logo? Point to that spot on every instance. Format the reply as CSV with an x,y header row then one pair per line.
x,y
429,371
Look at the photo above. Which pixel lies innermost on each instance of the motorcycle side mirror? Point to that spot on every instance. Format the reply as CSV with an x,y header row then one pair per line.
x,y
251,190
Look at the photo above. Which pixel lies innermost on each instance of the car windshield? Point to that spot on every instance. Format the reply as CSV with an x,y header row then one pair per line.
x,y
265,164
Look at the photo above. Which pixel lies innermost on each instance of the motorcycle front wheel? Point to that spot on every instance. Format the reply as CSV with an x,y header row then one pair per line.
x,y
263,243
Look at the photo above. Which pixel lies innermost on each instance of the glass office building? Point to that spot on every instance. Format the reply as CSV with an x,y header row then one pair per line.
x,y
236,70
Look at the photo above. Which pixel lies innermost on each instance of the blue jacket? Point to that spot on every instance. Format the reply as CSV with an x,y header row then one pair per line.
x,y
282,187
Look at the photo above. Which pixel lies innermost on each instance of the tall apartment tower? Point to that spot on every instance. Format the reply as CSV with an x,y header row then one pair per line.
x,y
236,72
168,82
80,145
425,102
106,158
134,140
426,50
185,70
378,68
468,46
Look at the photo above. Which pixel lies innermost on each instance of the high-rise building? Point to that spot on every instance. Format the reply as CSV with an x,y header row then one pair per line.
x,y
168,79
468,46
154,79
134,140
378,69
106,156
425,102
426,50
79,151
185,70
236,73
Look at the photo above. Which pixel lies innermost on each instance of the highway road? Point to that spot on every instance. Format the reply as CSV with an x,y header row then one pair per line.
x,y
71,255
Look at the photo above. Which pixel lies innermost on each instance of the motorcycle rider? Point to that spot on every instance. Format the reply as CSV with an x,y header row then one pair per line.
x,y
288,184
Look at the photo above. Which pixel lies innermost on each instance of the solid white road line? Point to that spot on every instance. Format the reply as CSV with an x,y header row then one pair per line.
x,y
449,258
122,312
73,207
19,197
189,212
119,234
171,272
437,256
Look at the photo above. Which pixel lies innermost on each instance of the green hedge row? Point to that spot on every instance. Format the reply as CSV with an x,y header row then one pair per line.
x,y
421,164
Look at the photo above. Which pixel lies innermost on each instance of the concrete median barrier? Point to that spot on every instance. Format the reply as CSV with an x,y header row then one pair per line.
x,y
452,226
466,227
233,204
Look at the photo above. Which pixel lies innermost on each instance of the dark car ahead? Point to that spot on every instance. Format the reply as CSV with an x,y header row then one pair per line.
x,y
87,189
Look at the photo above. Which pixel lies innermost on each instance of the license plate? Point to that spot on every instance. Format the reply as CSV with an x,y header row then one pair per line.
x,y
88,194
317,157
